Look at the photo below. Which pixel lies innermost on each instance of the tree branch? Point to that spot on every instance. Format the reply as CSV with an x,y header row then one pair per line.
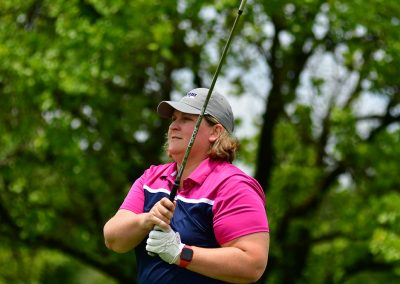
x,y
385,120
311,203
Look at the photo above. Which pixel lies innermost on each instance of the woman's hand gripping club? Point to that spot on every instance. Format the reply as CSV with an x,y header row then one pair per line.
x,y
161,215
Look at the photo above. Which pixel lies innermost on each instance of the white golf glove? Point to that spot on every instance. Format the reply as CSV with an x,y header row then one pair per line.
x,y
166,244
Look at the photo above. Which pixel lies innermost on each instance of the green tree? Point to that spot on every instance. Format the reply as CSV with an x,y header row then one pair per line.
x,y
79,83
327,165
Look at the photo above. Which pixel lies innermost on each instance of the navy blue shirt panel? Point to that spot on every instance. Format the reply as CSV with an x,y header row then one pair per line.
x,y
194,222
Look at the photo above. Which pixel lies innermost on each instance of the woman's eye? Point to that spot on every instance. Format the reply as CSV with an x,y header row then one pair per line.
x,y
182,118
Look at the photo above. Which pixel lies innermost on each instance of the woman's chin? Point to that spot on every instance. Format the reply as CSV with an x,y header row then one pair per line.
x,y
175,155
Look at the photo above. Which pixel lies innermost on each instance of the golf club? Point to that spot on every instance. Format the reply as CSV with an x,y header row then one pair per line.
x,y
177,181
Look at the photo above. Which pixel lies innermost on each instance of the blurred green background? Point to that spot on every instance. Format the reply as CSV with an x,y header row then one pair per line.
x,y
316,88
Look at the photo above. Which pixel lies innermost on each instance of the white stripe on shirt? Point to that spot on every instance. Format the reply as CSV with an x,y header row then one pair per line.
x,y
184,199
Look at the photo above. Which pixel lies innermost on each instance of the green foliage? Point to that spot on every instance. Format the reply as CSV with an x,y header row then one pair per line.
x,y
43,266
79,83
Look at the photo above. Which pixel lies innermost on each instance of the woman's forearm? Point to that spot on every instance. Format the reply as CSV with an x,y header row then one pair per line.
x,y
125,231
244,262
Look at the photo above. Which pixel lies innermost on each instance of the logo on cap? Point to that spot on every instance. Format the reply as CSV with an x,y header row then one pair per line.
x,y
190,95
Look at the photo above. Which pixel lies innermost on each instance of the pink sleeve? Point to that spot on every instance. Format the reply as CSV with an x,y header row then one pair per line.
x,y
239,210
134,201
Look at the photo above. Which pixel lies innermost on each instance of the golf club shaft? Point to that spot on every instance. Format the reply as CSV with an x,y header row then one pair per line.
x,y
175,187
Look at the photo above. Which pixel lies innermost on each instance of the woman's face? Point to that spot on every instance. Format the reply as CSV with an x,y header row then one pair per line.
x,y
179,134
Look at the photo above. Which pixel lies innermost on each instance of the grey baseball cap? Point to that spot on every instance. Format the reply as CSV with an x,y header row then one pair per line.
x,y
218,107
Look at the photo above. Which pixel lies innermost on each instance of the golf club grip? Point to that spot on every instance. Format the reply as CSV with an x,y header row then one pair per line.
x,y
174,190
171,197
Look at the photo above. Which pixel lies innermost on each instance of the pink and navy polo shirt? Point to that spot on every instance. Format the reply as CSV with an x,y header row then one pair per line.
x,y
216,204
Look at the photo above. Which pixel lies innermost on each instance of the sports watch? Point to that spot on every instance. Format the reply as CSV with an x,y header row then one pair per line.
x,y
186,256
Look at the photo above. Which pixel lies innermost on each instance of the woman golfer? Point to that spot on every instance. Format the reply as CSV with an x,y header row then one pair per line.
x,y
216,230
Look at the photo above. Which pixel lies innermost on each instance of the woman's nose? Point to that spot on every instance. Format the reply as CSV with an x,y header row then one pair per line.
x,y
173,125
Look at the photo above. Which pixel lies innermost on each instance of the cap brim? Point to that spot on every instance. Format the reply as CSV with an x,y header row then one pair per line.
x,y
166,108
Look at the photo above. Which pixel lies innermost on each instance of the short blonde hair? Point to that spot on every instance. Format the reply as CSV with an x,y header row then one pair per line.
x,y
225,147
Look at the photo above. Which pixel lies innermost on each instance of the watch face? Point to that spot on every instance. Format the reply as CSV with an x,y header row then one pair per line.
x,y
187,254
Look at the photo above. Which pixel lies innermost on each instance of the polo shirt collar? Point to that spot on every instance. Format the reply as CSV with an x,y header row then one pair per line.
x,y
203,170
198,176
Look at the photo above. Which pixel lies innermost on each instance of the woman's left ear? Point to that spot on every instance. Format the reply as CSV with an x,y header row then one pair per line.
x,y
216,132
